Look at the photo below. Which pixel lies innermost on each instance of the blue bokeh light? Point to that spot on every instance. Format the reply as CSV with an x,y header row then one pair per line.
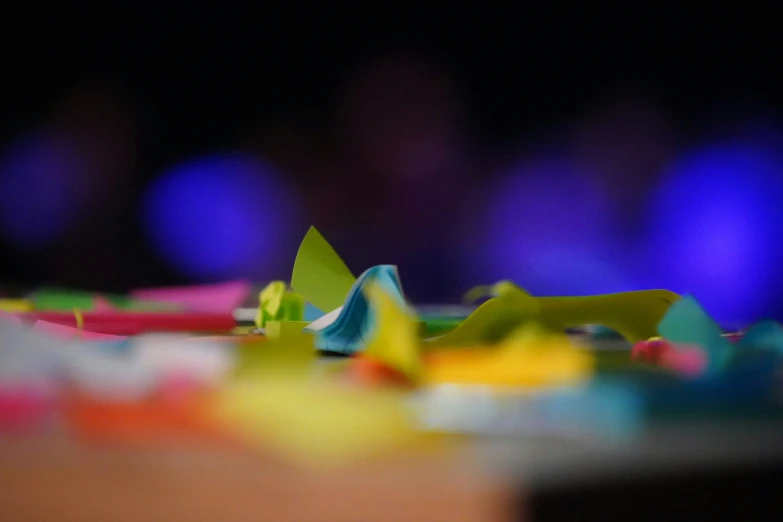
x,y
717,227
40,189
549,228
222,216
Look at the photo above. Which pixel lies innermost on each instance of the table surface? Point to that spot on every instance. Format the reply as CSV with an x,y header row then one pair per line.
x,y
50,477
54,480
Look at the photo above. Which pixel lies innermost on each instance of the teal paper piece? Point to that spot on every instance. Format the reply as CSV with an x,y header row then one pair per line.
x,y
608,409
686,322
356,321
602,332
766,335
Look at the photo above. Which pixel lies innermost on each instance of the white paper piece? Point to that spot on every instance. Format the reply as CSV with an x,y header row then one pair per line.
x,y
245,315
324,321
110,375
175,356
27,359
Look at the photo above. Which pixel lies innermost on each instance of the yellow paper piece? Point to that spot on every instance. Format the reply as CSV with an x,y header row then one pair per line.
x,y
476,293
287,330
242,330
15,306
490,322
529,357
319,425
269,301
293,355
533,336
634,315
395,341
319,274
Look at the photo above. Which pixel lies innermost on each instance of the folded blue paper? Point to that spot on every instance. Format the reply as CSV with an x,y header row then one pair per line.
x,y
355,322
311,313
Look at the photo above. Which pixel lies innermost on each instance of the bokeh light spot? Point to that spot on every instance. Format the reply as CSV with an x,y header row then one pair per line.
x,y
219,217
717,227
547,227
40,189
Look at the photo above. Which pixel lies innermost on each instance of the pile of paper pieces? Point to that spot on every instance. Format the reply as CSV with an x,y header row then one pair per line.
x,y
512,366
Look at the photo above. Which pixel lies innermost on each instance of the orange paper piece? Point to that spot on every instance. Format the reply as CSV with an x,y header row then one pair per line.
x,y
367,370
152,422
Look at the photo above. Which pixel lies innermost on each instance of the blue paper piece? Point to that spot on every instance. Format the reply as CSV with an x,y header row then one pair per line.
x,y
356,322
605,408
686,322
311,313
766,335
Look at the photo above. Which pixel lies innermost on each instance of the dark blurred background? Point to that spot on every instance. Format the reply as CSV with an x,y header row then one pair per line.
x,y
570,149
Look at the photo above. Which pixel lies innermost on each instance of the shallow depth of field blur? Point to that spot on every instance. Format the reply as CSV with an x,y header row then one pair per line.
x,y
583,154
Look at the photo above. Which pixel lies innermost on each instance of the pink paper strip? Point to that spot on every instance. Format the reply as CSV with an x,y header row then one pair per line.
x,y
23,410
11,318
220,297
688,360
68,332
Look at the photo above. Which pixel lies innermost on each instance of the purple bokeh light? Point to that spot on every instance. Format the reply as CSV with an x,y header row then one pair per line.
x,y
222,216
549,228
717,227
40,189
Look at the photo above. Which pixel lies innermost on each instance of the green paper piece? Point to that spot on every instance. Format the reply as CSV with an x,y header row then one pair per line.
x,y
440,325
277,304
319,274
293,306
62,300
122,302
56,299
